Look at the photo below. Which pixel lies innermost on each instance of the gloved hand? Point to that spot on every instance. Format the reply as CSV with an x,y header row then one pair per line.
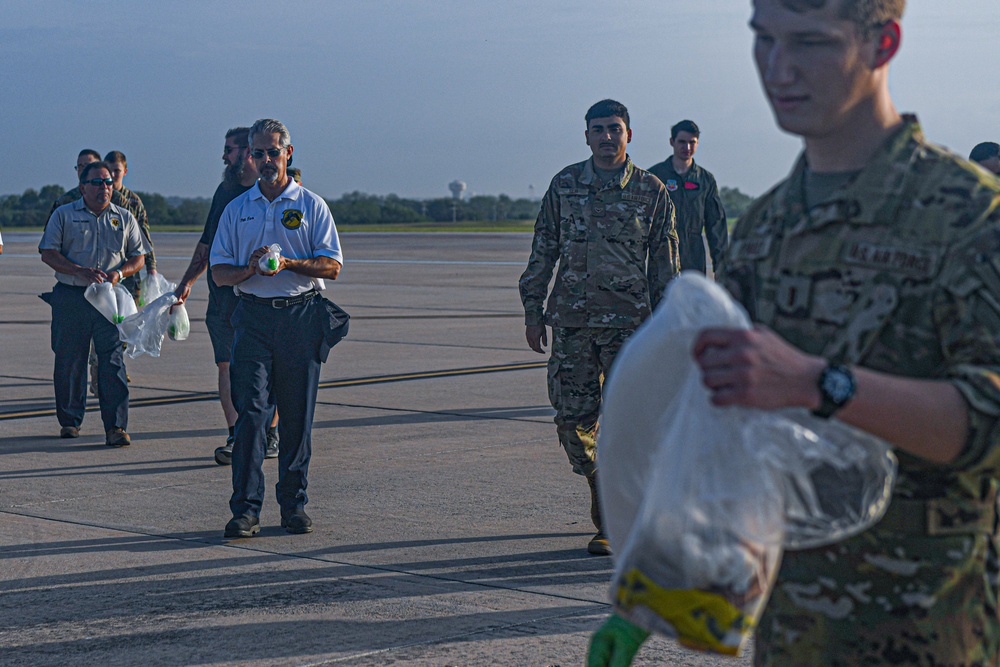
x,y
615,643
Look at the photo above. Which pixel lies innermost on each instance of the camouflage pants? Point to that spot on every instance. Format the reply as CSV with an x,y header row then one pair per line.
x,y
885,599
581,357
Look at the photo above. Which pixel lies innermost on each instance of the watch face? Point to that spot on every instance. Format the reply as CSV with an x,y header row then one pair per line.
x,y
838,385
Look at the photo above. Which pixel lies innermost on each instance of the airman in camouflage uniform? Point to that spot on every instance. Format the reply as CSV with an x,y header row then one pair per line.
x,y
897,272
892,273
615,243
132,202
888,281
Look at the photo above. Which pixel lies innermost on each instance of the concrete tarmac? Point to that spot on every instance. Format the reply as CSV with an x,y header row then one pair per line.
x,y
450,529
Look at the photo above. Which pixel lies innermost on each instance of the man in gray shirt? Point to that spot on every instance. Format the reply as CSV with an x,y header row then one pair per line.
x,y
90,241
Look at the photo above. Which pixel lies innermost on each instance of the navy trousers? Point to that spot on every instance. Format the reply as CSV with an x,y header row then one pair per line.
x,y
74,324
275,361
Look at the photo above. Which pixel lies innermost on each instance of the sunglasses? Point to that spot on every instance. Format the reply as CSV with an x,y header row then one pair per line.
x,y
99,181
273,153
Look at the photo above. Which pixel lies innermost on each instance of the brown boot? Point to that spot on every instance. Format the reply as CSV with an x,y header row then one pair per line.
x,y
599,543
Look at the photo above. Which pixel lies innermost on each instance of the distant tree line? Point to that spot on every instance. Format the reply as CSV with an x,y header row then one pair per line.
x,y
31,209
735,202
359,208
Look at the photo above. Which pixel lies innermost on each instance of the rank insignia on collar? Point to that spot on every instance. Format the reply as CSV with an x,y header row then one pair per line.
x,y
671,184
291,219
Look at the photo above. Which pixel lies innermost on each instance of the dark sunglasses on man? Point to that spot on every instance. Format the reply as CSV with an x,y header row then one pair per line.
x,y
273,153
98,181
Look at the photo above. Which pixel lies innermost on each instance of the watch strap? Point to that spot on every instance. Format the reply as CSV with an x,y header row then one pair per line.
x,y
831,400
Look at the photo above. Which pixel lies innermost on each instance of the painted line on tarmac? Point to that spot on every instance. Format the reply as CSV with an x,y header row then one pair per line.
x,y
453,316
468,316
425,262
437,262
197,397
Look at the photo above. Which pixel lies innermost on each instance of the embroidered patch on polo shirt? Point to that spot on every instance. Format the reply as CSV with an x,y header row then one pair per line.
x,y
291,219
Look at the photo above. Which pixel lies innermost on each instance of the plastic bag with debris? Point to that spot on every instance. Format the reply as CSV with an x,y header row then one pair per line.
x,y
179,327
144,331
153,286
112,301
270,260
700,501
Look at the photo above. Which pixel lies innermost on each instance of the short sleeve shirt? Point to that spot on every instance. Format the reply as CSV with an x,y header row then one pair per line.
x,y
104,241
225,193
297,220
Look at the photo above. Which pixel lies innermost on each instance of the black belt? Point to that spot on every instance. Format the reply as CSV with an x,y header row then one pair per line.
x,y
281,301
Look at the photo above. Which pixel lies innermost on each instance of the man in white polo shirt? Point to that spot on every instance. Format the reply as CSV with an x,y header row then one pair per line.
x,y
278,325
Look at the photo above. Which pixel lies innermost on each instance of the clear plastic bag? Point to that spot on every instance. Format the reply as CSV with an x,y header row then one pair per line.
x,y
179,327
144,331
153,286
125,302
112,301
699,501
272,259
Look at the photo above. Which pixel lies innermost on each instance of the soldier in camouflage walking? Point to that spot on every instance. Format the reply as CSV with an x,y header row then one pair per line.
x,y
610,228
119,167
872,274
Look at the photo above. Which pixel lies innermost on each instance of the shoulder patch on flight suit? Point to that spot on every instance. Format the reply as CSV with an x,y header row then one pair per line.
x,y
671,184
291,219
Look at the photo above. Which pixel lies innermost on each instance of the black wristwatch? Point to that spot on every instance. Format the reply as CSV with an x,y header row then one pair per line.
x,y
836,388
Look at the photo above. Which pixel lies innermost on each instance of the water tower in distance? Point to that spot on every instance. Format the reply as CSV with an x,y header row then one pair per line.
x,y
457,190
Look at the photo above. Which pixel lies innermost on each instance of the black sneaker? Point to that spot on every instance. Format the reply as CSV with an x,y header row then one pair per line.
x,y
297,522
224,455
242,526
271,451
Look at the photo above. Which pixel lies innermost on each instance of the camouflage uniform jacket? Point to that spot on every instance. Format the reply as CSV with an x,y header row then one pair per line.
x,y
601,236
897,271
134,205
699,208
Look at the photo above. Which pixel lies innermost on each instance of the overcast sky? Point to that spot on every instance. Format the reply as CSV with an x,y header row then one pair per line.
x,y
404,96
